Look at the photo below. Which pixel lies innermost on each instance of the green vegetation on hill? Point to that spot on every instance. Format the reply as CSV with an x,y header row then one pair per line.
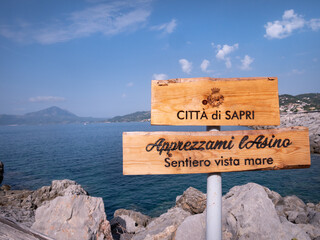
x,y
142,116
302,102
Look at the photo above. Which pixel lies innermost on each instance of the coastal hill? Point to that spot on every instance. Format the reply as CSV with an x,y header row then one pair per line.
x,y
56,115
142,116
302,102
52,115
308,102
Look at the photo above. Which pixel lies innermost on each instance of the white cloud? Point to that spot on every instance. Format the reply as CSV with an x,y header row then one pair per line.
x,y
246,61
124,95
289,23
315,24
228,63
186,65
166,27
159,76
46,99
297,71
130,84
204,65
107,18
224,51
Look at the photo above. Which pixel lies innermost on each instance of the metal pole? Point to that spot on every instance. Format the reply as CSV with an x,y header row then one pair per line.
x,y
214,202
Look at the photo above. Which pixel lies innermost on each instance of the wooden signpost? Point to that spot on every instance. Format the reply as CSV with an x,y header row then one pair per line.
x,y
206,152
215,102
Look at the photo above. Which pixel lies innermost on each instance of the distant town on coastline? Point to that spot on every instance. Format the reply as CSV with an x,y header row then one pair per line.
x,y
308,102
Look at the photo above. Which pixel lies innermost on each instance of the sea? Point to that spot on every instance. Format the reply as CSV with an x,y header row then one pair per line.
x,y
91,155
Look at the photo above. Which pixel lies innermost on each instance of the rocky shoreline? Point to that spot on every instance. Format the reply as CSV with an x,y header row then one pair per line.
x,y
64,210
311,120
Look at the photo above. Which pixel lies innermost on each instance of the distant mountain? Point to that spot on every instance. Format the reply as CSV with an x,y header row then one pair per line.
x,y
52,115
52,112
142,116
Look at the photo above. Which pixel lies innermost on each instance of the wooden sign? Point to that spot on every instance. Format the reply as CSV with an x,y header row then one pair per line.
x,y
205,152
215,101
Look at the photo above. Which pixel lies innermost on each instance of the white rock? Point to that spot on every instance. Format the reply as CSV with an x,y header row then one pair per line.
x,y
131,224
248,213
313,231
193,227
163,227
192,200
73,217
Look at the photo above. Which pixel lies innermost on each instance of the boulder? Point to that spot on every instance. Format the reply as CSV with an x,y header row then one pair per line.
x,y
18,215
14,198
128,222
249,213
73,217
192,200
19,205
292,215
254,212
302,218
14,231
311,230
274,196
163,227
292,203
193,227
64,187
293,209
118,228
291,229
139,219
314,218
11,206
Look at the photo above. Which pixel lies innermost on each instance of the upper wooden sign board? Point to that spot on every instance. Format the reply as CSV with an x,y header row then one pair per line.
x,y
215,101
205,152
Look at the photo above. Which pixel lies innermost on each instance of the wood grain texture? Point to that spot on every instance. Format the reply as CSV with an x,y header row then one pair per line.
x,y
144,153
258,95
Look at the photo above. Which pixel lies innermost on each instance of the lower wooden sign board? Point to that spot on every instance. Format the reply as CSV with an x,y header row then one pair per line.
x,y
205,152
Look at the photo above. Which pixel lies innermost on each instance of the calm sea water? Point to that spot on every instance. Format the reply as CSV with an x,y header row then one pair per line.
x,y
92,156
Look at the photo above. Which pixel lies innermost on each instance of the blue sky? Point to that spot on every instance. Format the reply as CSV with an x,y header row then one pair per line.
x,y
97,58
